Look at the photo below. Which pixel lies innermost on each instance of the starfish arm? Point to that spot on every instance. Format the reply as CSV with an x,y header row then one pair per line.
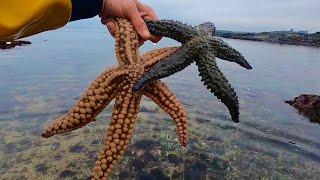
x,y
152,57
166,100
172,64
172,29
215,81
226,52
97,96
127,51
124,117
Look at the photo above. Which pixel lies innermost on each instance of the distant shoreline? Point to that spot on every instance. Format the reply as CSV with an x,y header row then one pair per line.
x,y
277,37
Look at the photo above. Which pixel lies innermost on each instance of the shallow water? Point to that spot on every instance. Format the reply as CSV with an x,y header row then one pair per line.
x,y
42,81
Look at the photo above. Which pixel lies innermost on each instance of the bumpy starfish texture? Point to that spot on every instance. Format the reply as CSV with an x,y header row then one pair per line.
x,y
116,83
199,45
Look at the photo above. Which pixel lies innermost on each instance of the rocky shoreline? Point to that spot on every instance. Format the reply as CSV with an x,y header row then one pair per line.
x,y
290,38
12,44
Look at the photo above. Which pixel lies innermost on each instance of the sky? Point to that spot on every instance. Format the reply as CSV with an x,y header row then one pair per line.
x,y
243,15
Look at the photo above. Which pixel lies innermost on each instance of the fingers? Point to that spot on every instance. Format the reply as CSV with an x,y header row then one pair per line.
x,y
111,25
135,11
146,12
149,11
137,21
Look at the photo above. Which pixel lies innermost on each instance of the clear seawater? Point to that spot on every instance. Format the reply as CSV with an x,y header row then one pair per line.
x,y
42,81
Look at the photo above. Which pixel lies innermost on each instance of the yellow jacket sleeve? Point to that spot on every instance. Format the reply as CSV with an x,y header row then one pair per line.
x,y
22,18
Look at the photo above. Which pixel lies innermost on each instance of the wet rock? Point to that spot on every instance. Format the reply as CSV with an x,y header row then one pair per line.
x,y
67,173
12,44
41,168
174,159
195,170
77,148
307,105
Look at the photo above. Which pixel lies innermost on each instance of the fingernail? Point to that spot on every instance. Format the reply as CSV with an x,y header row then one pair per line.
x,y
145,34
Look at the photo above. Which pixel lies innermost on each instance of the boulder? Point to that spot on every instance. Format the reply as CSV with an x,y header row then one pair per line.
x,y
307,105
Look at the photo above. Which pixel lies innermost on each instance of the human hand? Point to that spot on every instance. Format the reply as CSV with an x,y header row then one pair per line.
x,y
133,10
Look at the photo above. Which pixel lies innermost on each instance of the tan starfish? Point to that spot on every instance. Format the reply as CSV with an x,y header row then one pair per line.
x,y
116,83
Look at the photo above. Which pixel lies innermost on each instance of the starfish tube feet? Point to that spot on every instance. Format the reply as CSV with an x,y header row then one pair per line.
x,y
97,96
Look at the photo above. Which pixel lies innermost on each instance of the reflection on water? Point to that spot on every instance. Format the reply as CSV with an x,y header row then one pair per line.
x,y
40,82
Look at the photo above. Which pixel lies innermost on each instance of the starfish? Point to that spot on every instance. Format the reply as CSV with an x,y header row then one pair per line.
x,y
199,45
116,83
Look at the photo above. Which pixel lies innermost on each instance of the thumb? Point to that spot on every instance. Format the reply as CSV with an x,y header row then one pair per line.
x,y
138,23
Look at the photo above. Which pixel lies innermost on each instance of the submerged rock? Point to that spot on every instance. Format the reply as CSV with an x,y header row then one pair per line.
x,y
146,144
67,173
77,148
174,159
308,105
195,170
41,168
12,44
155,174
144,160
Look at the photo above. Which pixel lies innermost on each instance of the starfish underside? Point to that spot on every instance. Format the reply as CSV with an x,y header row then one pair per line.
x,y
199,45
116,83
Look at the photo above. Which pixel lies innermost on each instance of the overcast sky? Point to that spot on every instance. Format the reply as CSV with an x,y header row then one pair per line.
x,y
243,15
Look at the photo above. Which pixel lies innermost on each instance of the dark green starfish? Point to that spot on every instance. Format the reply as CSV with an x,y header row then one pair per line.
x,y
199,45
